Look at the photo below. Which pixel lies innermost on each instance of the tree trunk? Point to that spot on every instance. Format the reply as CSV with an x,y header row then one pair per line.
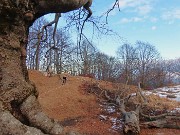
x,y
131,118
38,51
19,107
131,123
20,112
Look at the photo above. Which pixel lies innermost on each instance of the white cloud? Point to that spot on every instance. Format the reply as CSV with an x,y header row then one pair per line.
x,y
153,27
131,3
177,14
171,15
137,19
140,6
122,3
128,20
144,9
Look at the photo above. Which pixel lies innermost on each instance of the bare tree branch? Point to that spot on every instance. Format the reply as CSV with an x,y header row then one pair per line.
x,y
116,3
55,21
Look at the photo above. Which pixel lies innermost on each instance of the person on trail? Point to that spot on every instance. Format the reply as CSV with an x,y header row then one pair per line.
x,y
64,79
49,71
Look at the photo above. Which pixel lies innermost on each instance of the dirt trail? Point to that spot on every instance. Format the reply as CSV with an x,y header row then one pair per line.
x,y
75,109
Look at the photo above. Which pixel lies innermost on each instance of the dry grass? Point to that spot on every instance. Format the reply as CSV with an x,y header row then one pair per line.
x,y
161,103
78,110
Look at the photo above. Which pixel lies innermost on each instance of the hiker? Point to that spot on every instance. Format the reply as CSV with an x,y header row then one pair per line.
x,y
64,79
49,71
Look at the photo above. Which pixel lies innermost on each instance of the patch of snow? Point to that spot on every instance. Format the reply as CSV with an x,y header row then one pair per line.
x,y
178,109
116,123
110,109
163,92
133,94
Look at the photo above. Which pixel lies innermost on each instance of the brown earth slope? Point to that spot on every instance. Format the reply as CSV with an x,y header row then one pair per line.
x,y
75,109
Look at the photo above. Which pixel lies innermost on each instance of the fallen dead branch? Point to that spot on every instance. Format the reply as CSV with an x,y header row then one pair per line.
x,y
131,118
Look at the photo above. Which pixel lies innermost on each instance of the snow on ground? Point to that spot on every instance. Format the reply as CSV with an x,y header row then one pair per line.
x,y
172,92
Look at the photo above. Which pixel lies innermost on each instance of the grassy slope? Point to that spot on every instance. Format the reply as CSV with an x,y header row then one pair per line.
x,y
77,110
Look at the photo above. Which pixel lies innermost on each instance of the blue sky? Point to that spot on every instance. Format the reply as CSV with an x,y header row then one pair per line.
x,y
153,21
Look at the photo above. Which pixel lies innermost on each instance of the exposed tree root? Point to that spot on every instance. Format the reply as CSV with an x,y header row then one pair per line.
x,y
9,125
31,109
39,122
131,124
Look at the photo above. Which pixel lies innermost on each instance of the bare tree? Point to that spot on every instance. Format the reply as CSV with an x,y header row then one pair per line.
x,y
104,67
127,55
147,56
35,44
172,69
141,63
88,51
100,62
63,51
